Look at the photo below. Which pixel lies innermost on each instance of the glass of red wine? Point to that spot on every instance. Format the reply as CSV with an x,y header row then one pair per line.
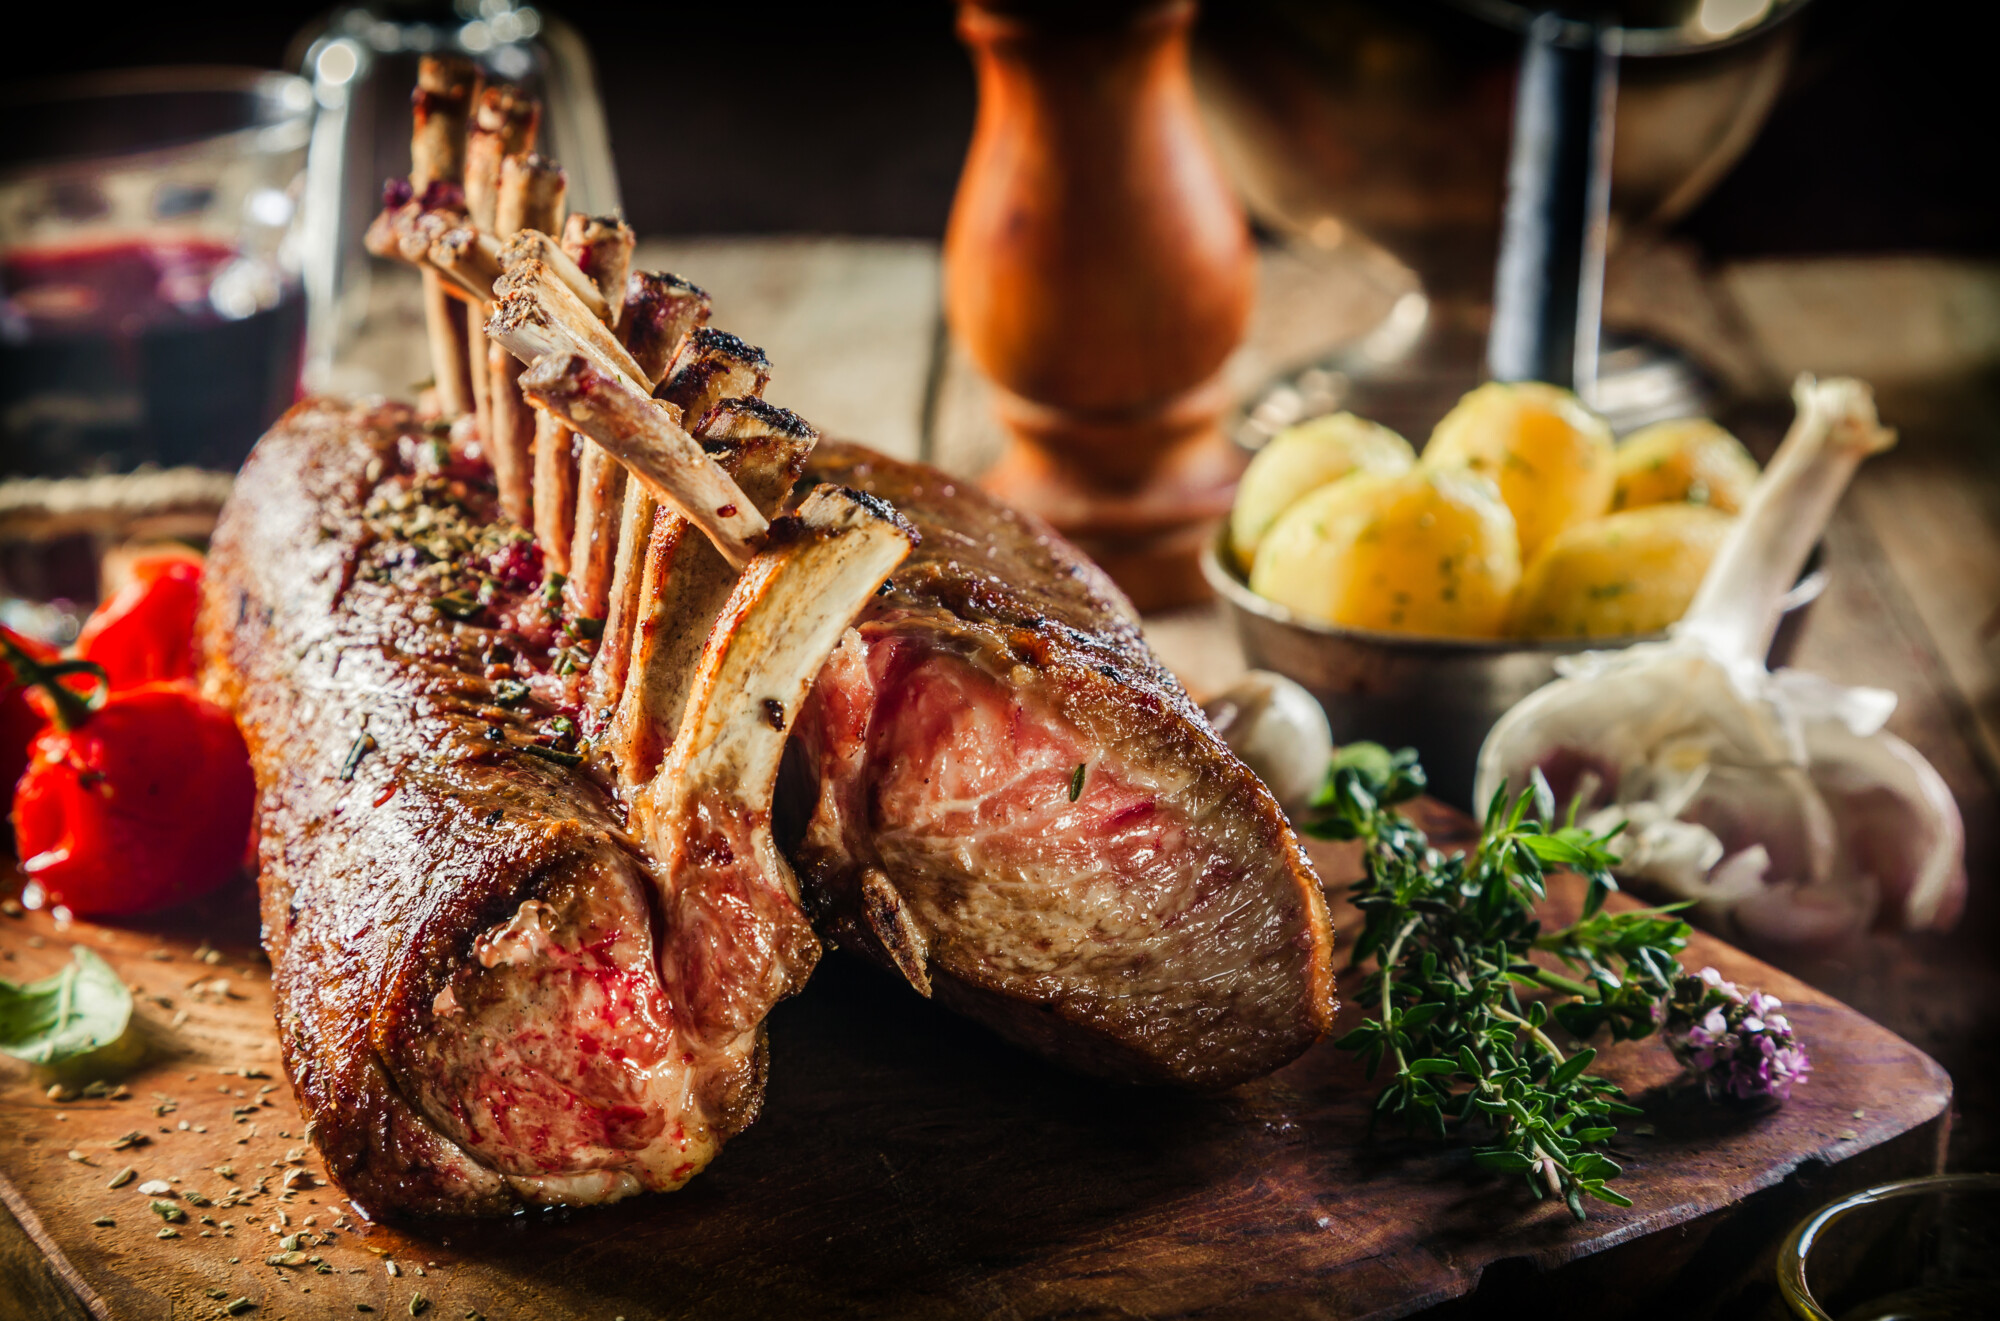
x,y
153,311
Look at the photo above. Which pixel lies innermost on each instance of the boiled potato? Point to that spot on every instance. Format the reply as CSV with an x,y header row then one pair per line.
x,y
1691,461
1301,459
1550,455
1623,574
1421,551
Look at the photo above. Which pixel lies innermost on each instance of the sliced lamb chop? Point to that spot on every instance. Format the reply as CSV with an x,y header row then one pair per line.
x,y
711,802
685,581
1017,808
710,366
660,310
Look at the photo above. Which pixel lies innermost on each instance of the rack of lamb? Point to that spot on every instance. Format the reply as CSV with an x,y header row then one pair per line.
x,y
589,703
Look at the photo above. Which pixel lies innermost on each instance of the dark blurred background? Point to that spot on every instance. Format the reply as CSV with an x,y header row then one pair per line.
x,y
853,119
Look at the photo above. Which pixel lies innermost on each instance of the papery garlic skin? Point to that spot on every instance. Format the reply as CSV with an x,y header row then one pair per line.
x,y
1776,802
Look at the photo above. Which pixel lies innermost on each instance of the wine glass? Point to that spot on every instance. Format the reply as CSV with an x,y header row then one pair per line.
x,y
362,61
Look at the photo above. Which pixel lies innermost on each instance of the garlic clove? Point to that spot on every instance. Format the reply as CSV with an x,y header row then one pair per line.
x,y
1279,731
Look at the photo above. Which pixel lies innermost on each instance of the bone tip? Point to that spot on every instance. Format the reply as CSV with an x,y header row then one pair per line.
x,y
884,512
709,341
728,421
557,375
830,510
514,310
447,74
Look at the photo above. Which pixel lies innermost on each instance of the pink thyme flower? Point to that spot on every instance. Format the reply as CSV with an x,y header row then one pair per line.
x,y
1735,1042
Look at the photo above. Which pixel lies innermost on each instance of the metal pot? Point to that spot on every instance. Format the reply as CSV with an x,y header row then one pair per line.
x,y
1437,695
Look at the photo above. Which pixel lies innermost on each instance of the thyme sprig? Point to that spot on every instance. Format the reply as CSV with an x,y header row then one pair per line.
x,y
1449,938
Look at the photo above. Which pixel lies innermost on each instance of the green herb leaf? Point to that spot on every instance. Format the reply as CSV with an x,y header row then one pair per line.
x,y
81,1010
1446,943
1076,781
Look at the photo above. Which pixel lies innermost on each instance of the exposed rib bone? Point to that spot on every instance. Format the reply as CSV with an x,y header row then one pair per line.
x,y
533,245
504,123
556,464
706,366
686,581
602,249
446,85
469,258
659,311
532,191
735,939
602,246
598,251
512,442
531,194
647,438
536,314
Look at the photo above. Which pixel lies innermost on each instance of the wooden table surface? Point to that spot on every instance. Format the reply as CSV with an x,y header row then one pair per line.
x,y
854,330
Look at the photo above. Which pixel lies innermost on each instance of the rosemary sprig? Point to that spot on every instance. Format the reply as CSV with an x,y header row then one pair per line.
x,y
1449,938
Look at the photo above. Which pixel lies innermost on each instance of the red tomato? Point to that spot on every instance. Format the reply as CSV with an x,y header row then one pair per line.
x,y
146,632
145,803
19,719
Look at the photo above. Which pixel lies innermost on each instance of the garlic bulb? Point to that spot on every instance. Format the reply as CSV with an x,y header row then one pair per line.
x,y
1775,801
1279,731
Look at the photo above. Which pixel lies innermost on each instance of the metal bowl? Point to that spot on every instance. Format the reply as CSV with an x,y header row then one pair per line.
x,y
1435,694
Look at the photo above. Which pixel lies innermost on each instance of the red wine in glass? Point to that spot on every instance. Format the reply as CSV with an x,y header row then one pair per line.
x,y
158,349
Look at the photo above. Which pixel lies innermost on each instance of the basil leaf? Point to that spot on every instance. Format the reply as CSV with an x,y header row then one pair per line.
x,y
81,1009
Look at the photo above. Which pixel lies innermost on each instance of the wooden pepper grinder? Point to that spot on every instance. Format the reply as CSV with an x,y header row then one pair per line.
x,y
1099,271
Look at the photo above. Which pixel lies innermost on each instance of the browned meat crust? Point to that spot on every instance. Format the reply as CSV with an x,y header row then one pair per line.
x,y
447,913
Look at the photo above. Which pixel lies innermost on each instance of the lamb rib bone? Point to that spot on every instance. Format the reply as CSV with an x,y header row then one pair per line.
x,y
531,194
559,455
685,582
645,435
504,123
535,313
446,86
660,310
707,367
601,247
533,245
470,259
711,819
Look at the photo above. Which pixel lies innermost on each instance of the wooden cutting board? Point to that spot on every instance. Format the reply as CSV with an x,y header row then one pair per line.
x,y
908,1164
